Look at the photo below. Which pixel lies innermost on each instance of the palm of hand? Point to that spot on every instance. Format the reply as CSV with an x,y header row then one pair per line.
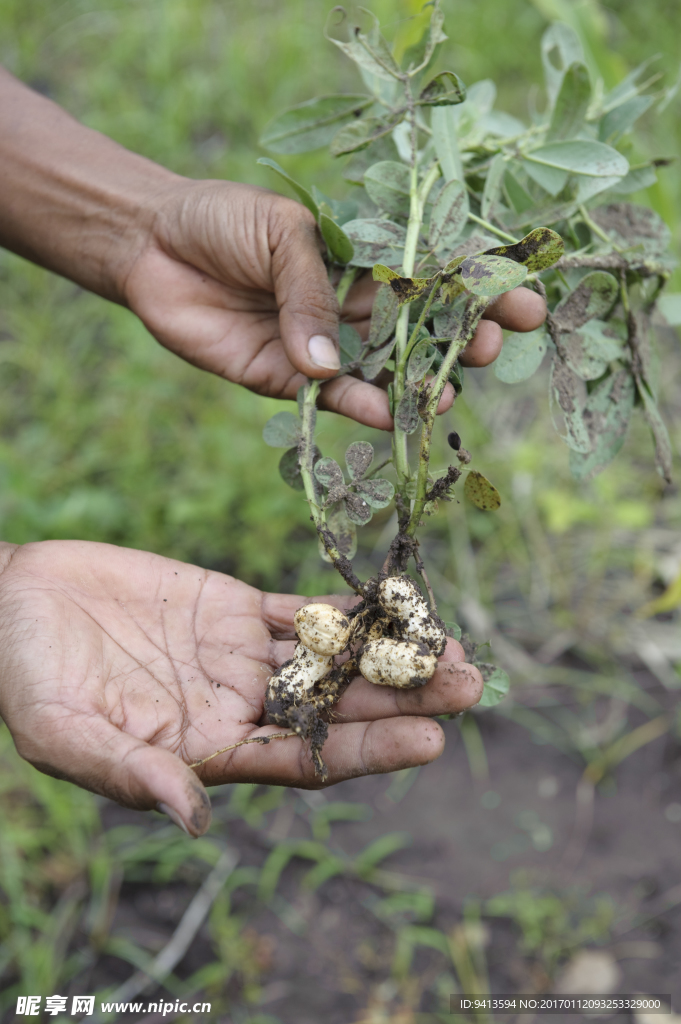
x,y
111,665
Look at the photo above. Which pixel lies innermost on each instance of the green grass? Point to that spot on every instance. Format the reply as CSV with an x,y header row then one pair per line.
x,y
104,435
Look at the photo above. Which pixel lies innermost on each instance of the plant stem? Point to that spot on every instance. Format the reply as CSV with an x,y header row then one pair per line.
x,y
471,317
417,201
593,226
490,227
345,283
402,365
306,450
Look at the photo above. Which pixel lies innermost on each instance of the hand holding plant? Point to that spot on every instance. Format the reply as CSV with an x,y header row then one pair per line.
x,y
447,184
120,668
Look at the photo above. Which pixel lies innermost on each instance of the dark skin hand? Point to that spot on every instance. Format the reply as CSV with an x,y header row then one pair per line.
x,y
228,276
242,293
120,668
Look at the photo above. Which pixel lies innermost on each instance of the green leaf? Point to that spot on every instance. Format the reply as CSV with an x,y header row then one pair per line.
x,y
628,87
375,241
445,90
628,224
663,448
572,103
567,394
302,193
620,120
329,473
369,51
284,430
587,188
383,316
536,251
594,296
376,493
637,179
492,189
518,196
560,47
580,156
443,125
374,360
358,510
497,685
420,361
337,242
407,411
448,216
491,275
387,183
521,356
358,458
312,124
343,530
350,344
481,492
435,34
359,134
551,179
607,412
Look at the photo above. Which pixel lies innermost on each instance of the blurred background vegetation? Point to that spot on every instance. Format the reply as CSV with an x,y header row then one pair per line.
x,y
106,436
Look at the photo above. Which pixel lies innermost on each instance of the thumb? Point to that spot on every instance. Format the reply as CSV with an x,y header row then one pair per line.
x,y
127,770
308,308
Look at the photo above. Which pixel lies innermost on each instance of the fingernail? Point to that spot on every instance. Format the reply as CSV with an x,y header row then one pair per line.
x,y
174,816
323,352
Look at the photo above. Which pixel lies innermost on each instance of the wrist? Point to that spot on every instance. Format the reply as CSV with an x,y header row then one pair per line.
x,y
73,200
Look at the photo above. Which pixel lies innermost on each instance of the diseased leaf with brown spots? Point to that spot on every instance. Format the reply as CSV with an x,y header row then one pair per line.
x,y
536,251
594,296
405,288
481,492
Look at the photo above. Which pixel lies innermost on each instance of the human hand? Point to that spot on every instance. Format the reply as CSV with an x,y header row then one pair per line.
x,y
119,668
230,277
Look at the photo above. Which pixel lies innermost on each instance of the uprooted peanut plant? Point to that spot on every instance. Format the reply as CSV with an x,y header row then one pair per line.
x,y
457,203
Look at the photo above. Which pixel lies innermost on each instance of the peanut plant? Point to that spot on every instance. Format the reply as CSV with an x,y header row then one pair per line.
x,y
456,204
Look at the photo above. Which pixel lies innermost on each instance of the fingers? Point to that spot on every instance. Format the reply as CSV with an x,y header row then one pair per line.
x,y
359,748
367,403
517,310
93,753
277,610
485,345
454,687
358,401
308,309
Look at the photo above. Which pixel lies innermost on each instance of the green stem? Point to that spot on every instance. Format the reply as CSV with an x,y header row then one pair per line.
x,y
593,226
345,283
306,461
472,314
306,449
417,200
413,338
490,227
